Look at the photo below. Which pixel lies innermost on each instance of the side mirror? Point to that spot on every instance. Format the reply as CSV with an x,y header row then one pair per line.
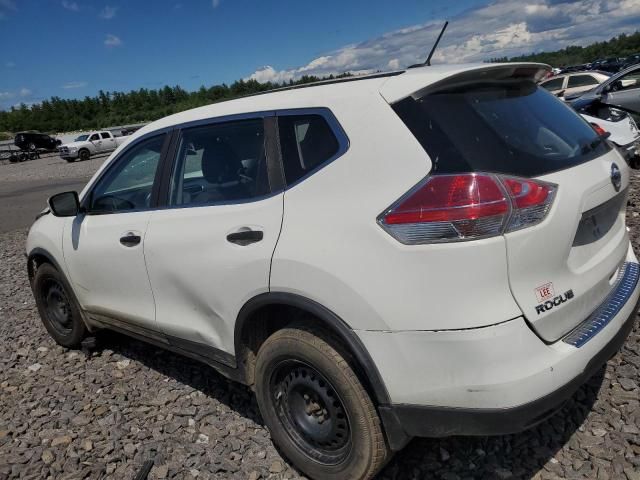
x,y
615,86
65,204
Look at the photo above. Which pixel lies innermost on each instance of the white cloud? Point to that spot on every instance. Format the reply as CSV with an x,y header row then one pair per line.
x,y
500,28
74,84
112,41
23,92
108,12
73,6
215,3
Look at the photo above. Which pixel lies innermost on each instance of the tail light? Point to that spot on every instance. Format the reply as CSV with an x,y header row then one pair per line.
x,y
446,208
599,130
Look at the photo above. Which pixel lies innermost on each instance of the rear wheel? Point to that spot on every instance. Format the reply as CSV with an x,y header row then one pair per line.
x,y
58,309
316,408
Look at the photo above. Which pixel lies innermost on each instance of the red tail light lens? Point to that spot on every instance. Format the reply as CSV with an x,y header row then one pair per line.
x,y
531,200
599,130
447,208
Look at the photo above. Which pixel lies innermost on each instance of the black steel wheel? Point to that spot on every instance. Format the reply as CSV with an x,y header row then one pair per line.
x,y
58,307
318,412
312,413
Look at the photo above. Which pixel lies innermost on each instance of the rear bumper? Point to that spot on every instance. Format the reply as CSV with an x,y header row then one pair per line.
x,y
402,422
493,380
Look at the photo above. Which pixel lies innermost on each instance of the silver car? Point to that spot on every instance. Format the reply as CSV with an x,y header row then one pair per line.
x,y
574,83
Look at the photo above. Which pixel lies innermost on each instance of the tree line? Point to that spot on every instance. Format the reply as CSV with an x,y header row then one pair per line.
x,y
620,46
120,108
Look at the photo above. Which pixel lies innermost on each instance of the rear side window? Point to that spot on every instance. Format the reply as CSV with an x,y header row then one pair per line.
x,y
509,127
581,81
306,142
555,84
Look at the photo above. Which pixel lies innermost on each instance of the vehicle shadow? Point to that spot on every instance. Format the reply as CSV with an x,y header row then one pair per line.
x,y
517,456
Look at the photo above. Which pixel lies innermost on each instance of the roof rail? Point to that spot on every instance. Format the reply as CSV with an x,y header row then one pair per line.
x,y
354,78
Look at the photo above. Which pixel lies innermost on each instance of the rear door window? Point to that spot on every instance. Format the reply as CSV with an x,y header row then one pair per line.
x,y
509,127
581,81
105,135
220,163
306,142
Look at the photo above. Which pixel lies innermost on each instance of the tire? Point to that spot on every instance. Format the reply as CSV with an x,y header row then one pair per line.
x,y
84,154
57,306
315,407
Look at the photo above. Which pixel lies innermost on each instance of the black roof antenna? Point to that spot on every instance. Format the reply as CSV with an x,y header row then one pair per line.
x,y
427,62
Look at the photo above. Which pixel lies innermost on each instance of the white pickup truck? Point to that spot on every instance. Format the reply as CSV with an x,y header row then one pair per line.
x,y
92,143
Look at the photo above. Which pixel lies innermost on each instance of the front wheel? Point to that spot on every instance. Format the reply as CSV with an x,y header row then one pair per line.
x,y
58,309
84,155
316,408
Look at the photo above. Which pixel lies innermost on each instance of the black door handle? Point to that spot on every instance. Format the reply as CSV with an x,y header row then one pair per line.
x,y
245,237
130,240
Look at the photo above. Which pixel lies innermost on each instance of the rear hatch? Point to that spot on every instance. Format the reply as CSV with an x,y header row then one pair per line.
x,y
495,119
563,268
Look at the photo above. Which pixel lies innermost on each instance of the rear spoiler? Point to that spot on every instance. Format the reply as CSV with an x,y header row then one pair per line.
x,y
419,81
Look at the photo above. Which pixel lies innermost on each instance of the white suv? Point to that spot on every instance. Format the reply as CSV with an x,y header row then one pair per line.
x,y
434,252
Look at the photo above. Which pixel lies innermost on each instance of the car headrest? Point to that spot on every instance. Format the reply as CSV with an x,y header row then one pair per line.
x,y
219,162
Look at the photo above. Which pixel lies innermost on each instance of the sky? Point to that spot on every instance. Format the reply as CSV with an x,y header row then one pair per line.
x,y
75,48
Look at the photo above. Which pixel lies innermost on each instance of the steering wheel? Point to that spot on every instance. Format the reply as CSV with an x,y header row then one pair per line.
x,y
113,203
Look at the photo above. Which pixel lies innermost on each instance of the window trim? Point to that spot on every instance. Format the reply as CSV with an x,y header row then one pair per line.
x,y
343,140
86,198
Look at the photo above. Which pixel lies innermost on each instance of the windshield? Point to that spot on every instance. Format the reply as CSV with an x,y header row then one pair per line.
x,y
81,138
509,127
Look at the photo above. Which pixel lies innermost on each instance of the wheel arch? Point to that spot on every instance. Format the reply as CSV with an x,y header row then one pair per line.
x,y
36,257
250,314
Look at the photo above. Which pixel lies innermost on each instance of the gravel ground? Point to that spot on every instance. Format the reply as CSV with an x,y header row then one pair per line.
x,y
49,167
102,411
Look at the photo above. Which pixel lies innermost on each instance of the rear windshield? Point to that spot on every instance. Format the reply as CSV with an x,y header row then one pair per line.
x,y
509,127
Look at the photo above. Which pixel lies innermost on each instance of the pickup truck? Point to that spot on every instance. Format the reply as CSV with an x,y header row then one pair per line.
x,y
92,143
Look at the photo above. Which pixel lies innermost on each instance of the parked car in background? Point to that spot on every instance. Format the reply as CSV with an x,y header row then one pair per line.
x,y
632,60
611,65
34,141
573,83
89,144
617,126
441,289
621,90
